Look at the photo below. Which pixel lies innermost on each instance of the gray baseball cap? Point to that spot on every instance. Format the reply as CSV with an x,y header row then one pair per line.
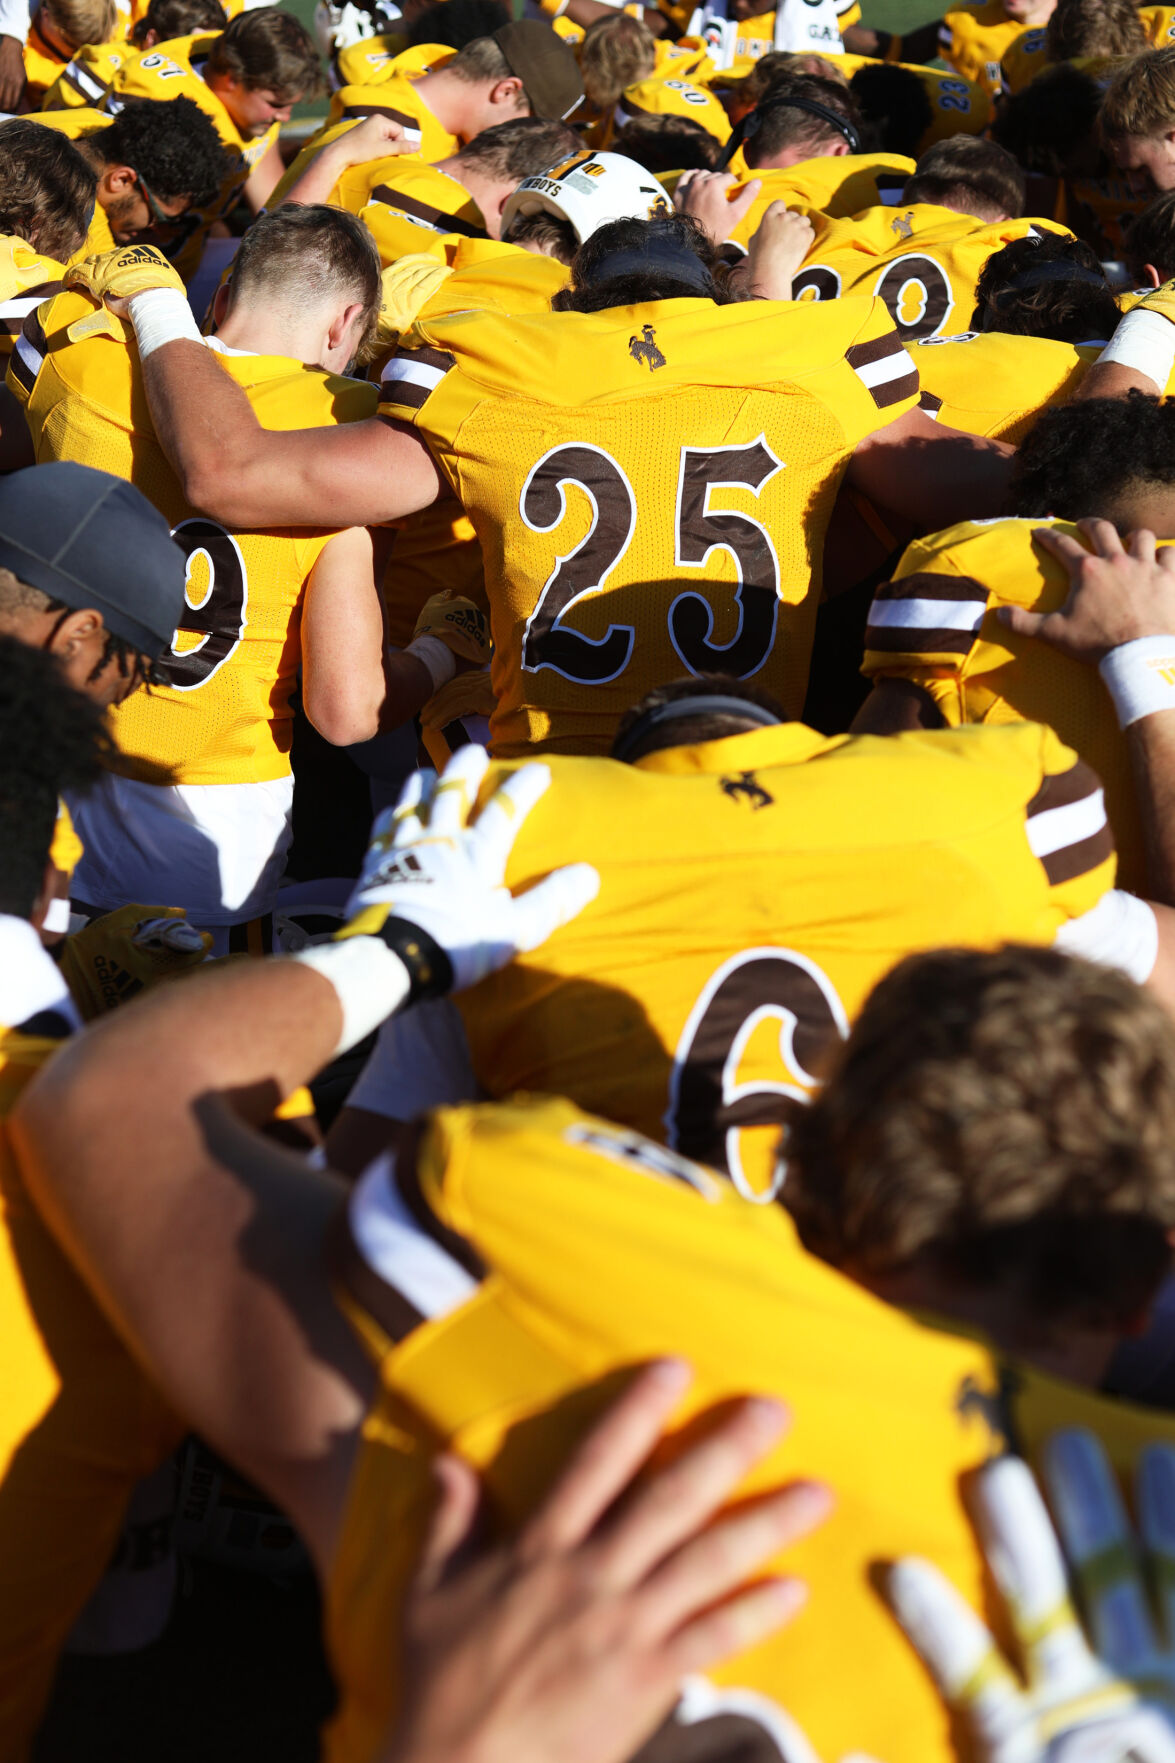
x,y
94,541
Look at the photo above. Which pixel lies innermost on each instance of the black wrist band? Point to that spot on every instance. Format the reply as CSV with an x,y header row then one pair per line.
x,y
430,972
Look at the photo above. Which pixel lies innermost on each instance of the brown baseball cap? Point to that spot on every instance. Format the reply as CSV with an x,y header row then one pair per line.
x,y
545,64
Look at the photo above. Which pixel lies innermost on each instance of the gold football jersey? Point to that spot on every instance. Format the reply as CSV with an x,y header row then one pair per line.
x,y
935,624
396,98
176,69
992,383
86,80
922,260
437,549
973,39
667,96
42,64
375,60
570,1251
650,486
79,1426
706,1037
225,717
75,124
958,106
26,279
408,206
836,186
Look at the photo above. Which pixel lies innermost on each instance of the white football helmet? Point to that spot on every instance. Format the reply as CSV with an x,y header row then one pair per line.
x,y
589,189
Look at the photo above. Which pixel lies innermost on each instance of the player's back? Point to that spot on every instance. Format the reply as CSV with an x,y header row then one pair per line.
x,y
754,889
226,716
840,186
584,1251
650,486
978,671
974,38
994,383
923,260
398,99
408,205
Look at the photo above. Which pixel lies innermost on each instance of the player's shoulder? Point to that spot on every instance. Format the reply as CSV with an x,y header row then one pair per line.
x,y
166,65
976,14
24,271
89,349
285,394
370,61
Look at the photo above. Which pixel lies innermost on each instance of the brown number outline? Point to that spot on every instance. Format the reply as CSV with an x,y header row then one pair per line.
x,y
699,534
221,615
547,642
935,283
707,1105
817,275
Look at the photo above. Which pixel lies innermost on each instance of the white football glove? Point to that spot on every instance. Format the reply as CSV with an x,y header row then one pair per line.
x,y
433,868
1113,1702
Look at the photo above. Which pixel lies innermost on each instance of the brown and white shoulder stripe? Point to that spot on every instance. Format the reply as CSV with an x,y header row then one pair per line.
x,y
926,614
28,353
14,312
1067,825
412,375
885,369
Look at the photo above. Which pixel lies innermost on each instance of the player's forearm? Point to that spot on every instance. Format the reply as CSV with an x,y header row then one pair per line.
x,y
930,475
1110,379
206,426
264,179
1152,756
319,178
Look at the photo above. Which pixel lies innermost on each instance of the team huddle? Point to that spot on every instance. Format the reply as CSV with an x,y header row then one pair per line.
x,y
671,1227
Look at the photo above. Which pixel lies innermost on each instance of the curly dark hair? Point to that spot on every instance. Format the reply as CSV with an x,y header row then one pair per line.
x,y
171,143
1009,1115
588,293
1070,309
665,143
51,739
1079,460
894,101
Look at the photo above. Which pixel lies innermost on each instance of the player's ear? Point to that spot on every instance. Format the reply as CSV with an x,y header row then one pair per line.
x,y
220,304
342,323
1151,276
838,150
507,92
118,180
74,632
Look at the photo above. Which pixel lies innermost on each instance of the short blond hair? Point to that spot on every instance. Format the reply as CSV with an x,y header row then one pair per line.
x,y
83,21
1010,1115
1140,100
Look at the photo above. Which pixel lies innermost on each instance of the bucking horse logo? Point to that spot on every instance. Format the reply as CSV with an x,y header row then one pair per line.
x,y
644,348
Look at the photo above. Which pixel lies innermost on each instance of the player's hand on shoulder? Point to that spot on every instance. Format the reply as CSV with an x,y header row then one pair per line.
x,y
436,866
460,624
705,199
376,137
1097,1697
778,246
570,1640
119,275
1118,592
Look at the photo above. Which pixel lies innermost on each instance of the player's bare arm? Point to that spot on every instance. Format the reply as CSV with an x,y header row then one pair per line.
x,y
1140,356
1120,617
356,474
931,475
206,1246
376,137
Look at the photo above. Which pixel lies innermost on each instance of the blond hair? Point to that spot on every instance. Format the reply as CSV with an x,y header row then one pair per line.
x,y
83,21
615,53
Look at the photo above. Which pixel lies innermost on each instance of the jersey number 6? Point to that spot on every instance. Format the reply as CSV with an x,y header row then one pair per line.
x,y
699,532
219,618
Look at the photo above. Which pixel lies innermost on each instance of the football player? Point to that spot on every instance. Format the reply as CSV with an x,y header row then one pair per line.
x,y
89,76
199,813
1137,121
913,107
72,610
577,467
58,29
466,1305
247,78
972,38
155,161
47,201
925,256
803,144
403,200
938,626
522,69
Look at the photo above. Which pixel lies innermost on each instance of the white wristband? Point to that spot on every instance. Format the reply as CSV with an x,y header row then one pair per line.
x,y
1140,676
162,315
1144,341
436,656
370,981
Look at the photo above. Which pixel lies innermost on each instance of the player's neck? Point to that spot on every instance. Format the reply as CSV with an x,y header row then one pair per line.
x,y
256,331
442,94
